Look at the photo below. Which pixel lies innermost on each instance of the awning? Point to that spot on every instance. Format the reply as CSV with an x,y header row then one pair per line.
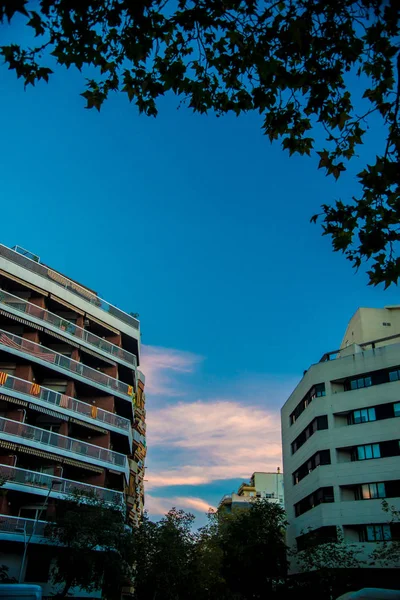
x,y
23,282
85,424
7,445
76,463
13,400
104,325
20,320
71,307
40,453
47,411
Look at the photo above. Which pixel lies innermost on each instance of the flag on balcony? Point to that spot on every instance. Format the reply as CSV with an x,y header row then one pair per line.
x,y
93,412
64,401
3,378
130,390
35,389
8,341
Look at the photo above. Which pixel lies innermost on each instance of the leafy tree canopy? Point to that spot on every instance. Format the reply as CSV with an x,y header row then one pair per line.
x,y
95,547
289,60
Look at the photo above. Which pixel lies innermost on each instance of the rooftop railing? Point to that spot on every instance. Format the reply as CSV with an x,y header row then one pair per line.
x,y
58,400
66,363
20,257
32,436
49,319
59,485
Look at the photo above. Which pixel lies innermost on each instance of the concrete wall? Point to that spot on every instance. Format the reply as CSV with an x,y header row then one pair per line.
x,y
339,438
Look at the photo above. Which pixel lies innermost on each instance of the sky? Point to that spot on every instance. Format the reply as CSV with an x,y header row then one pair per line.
x,y
201,226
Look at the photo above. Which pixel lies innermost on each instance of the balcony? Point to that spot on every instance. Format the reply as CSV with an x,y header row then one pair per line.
x,y
18,528
29,435
18,306
33,392
21,346
41,483
19,257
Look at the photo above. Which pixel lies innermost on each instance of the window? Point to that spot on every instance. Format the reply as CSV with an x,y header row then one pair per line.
x,y
316,424
386,324
370,491
364,415
396,409
376,533
317,391
322,535
320,496
361,382
38,567
394,375
323,457
368,451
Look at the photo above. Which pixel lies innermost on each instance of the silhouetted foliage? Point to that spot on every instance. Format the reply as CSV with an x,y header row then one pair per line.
x,y
292,61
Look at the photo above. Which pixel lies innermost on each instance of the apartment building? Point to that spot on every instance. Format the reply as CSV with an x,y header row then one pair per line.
x,y
261,485
72,407
341,438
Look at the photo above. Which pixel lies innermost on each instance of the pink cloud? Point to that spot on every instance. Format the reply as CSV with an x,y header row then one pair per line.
x,y
160,506
221,439
160,365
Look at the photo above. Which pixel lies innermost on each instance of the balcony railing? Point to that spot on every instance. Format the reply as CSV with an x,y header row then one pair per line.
x,y
17,256
21,526
43,481
31,435
64,362
55,399
48,319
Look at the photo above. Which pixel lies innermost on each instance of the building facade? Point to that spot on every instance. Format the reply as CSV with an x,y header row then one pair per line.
x,y
72,407
261,485
341,438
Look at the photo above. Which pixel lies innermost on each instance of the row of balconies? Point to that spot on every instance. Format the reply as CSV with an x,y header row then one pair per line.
x,y
43,484
19,306
34,393
20,257
35,437
64,364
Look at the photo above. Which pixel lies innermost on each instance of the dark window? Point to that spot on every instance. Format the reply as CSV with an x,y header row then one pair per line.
x,y
386,324
375,533
322,535
396,409
394,375
360,382
363,415
375,413
316,424
323,457
317,391
322,495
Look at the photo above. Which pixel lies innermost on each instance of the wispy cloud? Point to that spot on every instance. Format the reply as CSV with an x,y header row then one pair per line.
x,y
160,506
207,441
162,365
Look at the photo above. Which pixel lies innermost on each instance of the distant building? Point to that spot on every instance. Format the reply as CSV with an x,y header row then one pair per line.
x,y
341,437
72,414
261,485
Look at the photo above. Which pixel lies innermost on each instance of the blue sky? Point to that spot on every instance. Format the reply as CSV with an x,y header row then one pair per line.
x,y
201,226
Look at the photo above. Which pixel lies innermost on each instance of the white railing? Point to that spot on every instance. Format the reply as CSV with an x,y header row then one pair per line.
x,y
55,399
49,319
59,485
36,267
64,362
32,435
21,526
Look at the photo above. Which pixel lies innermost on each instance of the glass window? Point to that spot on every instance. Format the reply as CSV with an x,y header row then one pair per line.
x,y
393,376
387,535
396,409
371,414
368,451
361,453
381,490
360,382
357,416
377,533
353,384
376,451
365,492
367,381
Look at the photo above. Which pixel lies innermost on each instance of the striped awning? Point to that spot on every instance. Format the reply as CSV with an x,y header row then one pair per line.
x,y
24,283
89,425
7,445
21,320
39,453
47,411
81,465
61,337
13,400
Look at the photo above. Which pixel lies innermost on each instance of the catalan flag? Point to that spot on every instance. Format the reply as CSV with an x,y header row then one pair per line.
x,y
35,389
3,378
